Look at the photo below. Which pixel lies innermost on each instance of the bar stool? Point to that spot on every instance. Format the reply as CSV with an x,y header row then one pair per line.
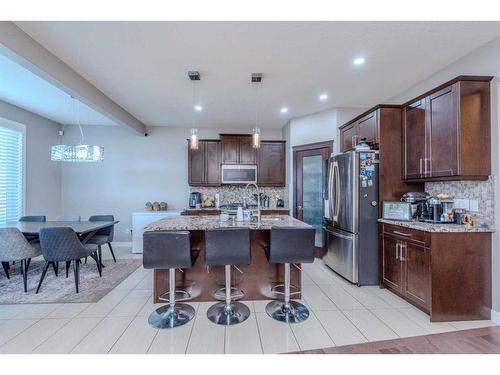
x,y
227,247
289,245
169,250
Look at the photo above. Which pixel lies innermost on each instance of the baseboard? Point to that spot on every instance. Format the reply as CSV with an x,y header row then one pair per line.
x,y
122,244
495,316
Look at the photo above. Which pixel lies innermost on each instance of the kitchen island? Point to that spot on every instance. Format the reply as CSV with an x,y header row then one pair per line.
x,y
257,278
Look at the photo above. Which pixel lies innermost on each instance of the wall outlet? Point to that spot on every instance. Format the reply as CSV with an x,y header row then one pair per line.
x,y
461,203
474,205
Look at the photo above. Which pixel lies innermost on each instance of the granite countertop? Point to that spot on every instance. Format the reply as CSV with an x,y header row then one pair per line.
x,y
253,209
431,227
213,221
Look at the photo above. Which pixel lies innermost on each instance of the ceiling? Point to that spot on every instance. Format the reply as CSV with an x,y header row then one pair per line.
x,y
20,87
143,66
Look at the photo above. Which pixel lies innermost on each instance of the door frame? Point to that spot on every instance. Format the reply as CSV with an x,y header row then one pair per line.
x,y
306,147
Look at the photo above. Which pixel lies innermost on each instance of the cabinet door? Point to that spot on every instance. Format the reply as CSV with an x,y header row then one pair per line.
x,y
230,149
271,164
417,260
414,142
368,128
347,135
196,165
442,132
212,163
392,269
247,152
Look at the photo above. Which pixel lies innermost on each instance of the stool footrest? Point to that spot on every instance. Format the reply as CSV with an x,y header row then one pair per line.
x,y
180,295
275,291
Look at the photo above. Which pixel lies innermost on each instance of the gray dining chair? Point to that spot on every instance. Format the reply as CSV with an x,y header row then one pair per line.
x,y
103,236
33,218
69,217
63,245
15,247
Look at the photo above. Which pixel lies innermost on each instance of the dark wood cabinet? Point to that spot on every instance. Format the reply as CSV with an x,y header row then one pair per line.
x,y
204,164
447,275
446,132
271,163
364,126
237,149
392,274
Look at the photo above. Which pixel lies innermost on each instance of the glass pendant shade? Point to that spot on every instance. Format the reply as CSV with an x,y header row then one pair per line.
x,y
256,138
77,153
193,140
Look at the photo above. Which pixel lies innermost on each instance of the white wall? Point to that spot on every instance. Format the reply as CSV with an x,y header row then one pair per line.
x,y
136,169
316,127
43,176
483,61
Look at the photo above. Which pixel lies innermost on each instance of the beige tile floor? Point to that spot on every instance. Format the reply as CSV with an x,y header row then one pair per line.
x,y
341,314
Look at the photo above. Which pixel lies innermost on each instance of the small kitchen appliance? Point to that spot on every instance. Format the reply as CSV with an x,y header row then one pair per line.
x,y
194,199
418,201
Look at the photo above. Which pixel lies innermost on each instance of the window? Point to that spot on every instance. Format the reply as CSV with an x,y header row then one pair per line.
x,y
11,171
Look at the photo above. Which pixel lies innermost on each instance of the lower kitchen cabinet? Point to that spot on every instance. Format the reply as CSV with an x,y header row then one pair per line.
x,y
445,274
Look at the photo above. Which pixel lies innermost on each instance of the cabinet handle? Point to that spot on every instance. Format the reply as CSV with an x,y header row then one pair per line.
x,y
421,166
401,233
397,250
401,257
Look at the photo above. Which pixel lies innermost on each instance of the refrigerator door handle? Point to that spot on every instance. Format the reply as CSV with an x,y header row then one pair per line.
x,y
330,190
337,190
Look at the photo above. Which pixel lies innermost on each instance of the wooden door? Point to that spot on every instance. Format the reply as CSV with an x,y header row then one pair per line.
x,y
230,149
414,141
392,269
196,165
248,154
417,261
271,164
442,132
212,163
347,135
368,128
310,165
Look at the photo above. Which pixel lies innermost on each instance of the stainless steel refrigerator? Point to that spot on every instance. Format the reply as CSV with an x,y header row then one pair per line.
x,y
351,212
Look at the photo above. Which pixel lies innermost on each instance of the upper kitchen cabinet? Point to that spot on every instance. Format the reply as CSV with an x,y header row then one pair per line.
x,y
271,163
446,132
364,126
204,164
237,149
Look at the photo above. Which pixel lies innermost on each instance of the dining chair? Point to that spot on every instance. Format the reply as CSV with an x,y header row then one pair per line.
x,y
15,247
103,236
69,217
61,244
33,218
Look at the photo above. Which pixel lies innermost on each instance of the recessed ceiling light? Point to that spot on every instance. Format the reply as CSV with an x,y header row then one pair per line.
x,y
198,108
323,97
284,110
359,61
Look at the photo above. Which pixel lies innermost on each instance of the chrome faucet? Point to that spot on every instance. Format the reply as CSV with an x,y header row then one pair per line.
x,y
258,198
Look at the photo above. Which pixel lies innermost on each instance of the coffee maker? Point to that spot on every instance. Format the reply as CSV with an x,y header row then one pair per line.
x,y
194,199
418,201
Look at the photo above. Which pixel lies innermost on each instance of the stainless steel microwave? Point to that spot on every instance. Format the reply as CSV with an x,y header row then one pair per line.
x,y
239,174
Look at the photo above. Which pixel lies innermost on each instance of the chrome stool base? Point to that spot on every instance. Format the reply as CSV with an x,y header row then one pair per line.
x,y
236,294
166,317
295,313
180,295
228,314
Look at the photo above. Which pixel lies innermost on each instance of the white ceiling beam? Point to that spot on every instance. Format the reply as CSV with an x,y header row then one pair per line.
x,y
20,47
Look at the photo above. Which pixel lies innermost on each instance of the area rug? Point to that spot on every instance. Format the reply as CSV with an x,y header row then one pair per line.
x,y
61,289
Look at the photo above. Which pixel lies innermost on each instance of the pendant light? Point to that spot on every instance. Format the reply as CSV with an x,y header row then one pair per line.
x,y
79,152
193,139
256,79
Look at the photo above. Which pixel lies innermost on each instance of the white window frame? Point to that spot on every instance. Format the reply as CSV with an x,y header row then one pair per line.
x,y
9,124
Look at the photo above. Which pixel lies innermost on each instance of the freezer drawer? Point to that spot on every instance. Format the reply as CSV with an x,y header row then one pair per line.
x,y
341,255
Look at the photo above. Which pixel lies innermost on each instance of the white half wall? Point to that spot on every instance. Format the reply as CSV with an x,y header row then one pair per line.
x,y
483,61
135,170
43,176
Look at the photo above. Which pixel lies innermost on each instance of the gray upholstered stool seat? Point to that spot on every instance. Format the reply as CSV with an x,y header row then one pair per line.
x,y
289,245
169,250
227,247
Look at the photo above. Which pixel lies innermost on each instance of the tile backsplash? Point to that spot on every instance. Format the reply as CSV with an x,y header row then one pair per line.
x,y
236,193
482,191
